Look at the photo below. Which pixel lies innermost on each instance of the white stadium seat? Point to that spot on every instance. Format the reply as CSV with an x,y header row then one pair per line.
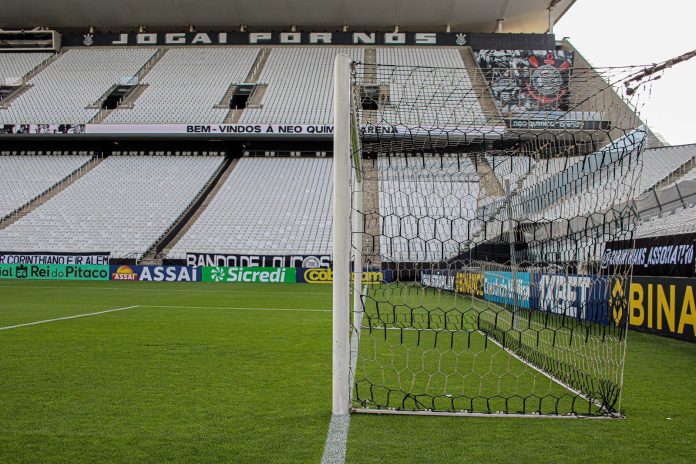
x,y
16,65
267,206
302,96
407,89
680,221
186,84
23,178
61,93
658,163
427,207
124,205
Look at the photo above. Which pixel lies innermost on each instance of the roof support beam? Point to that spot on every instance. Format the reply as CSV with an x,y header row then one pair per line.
x,y
501,15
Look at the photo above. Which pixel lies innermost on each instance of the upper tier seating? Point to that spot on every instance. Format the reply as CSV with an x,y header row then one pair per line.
x,y
690,174
267,206
123,205
300,86
61,93
186,84
23,178
680,221
427,211
427,97
14,65
616,188
527,170
658,163
510,168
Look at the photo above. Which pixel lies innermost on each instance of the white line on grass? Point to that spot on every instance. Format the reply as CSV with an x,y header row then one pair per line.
x,y
337,436
238,308
163,306
27,324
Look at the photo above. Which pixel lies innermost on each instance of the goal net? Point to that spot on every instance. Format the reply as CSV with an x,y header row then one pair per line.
x,y
483,196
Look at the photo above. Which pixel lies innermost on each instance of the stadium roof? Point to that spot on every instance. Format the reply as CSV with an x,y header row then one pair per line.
x,y
409,15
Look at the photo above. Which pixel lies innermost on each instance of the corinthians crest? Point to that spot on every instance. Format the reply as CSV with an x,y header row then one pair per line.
x,y
528,80
548,78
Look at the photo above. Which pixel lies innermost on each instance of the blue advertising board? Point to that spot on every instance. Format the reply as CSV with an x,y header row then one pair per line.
x,y
581,297
156,273
498,288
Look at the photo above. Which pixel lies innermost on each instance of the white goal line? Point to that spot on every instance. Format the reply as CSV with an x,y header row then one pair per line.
x,y
337,435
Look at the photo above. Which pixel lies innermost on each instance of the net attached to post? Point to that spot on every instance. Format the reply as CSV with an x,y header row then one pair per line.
x,y
480,215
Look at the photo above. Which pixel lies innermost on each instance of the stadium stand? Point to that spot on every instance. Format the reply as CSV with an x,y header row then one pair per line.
x,y
241,219
303,97
190,85
659,163
690,174
679,221
186,85
123,205
25,177
62,92
667,194
425,216
523,172
454,107
572,199
18,65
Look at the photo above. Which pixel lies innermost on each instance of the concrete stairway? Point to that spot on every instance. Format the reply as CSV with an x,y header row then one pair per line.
x,y
370,77
7,101
164,245
129,101
370,209
50,193
489,182
255,98
481,87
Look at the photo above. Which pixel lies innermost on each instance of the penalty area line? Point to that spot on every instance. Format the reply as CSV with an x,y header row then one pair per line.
x,y
312,310
65,318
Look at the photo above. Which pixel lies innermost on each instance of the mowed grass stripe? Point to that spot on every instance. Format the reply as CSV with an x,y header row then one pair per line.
x,y
316,310
658,403
431,344
169,385
29,301
193,287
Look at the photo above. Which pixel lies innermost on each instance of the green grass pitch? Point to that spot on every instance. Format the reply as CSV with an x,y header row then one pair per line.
x,y
426,349
195,374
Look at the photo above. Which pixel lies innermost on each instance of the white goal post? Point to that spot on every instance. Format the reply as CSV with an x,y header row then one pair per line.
x,y
341,236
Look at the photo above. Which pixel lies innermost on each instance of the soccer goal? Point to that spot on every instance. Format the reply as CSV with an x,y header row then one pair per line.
x,y
484,197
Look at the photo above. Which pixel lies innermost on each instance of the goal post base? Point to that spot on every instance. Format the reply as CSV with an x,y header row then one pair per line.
x,y
398,412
